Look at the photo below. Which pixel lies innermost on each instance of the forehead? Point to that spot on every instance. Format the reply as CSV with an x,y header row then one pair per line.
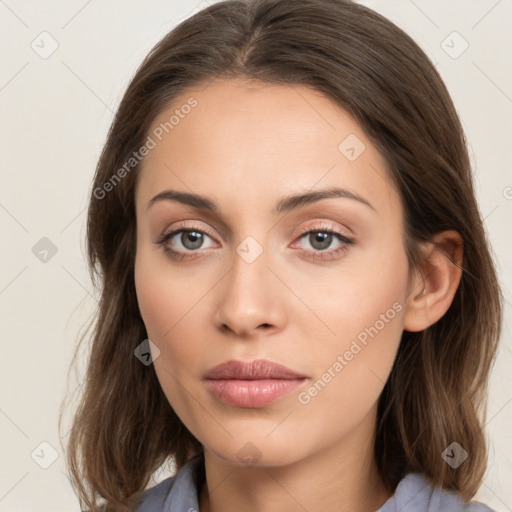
x,y
259,140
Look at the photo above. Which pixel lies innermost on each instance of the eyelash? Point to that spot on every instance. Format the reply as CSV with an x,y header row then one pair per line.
x,y
322,255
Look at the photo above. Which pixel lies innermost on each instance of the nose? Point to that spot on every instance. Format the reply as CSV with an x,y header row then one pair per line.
x,y
250,299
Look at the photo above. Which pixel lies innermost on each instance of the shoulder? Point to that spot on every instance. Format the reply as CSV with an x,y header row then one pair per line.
x,y
153,499
414,493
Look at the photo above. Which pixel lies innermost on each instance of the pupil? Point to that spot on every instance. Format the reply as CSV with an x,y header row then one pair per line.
x,y
191,239
320,240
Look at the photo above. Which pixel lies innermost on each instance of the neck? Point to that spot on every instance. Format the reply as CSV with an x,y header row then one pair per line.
x,y
339,478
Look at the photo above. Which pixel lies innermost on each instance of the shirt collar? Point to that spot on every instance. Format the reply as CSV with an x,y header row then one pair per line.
x,y
184,492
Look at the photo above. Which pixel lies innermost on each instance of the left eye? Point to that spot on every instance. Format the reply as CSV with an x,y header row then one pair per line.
x,y
321,240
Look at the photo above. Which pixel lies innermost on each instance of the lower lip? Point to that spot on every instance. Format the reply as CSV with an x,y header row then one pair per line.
x,y
252,393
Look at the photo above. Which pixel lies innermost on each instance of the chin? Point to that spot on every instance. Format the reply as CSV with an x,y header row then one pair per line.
x,y
260,452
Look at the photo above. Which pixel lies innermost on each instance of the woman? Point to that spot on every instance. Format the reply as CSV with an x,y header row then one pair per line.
x,y
299,307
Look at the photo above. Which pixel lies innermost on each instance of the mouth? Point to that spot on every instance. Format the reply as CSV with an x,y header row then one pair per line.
x,y
251,384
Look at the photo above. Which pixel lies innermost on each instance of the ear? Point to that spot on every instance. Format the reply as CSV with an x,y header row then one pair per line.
x,y
433,286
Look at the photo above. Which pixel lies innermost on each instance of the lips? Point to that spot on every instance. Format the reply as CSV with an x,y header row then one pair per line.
x,y
251,384
252,370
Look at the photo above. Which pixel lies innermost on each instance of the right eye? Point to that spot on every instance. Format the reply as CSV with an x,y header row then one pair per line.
x,y
191,240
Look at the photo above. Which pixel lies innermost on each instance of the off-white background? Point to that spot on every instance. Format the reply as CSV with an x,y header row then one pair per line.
x,y
55,113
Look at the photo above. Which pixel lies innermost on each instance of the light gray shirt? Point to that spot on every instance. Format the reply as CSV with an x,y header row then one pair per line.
x,y
179,493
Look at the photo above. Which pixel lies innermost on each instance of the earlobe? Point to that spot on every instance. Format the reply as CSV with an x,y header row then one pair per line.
x,y
435,284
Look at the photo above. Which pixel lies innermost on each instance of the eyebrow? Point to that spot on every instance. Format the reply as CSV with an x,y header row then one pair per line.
x,y
285,204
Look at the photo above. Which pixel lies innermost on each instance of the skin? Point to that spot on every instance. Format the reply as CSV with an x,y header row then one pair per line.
x,y
244,146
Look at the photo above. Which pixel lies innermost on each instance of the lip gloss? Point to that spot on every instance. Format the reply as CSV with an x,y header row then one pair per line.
x,y
251,393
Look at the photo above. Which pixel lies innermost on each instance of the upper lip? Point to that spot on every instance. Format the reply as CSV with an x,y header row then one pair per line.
x,y
252,370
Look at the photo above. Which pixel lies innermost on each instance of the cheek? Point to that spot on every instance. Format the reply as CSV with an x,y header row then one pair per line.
x,y
164,309
162,300
168,307
362,322
153,299
369,289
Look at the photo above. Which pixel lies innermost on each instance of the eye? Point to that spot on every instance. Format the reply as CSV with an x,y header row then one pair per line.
x,y
190,239
321,239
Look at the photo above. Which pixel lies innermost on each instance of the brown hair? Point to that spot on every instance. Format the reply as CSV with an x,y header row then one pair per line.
x,y
124,428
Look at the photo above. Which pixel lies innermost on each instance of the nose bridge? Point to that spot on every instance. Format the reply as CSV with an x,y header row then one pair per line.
x,y
249,297
249,273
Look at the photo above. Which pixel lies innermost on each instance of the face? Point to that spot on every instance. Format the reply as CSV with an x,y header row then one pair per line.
x,y
317,285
